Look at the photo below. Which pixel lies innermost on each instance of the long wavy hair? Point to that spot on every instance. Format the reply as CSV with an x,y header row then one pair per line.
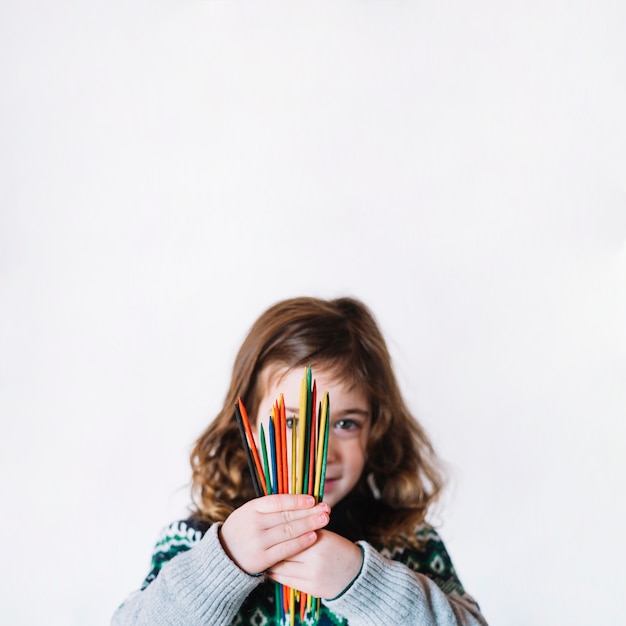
x,y
342,337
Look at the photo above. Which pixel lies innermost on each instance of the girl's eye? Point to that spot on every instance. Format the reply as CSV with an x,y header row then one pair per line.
x,y
291,422
347,428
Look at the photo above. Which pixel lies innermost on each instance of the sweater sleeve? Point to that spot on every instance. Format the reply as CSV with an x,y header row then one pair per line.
x,y
199,585
387,592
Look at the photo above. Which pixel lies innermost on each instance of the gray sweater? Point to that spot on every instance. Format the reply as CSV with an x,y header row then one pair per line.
x,y
202,585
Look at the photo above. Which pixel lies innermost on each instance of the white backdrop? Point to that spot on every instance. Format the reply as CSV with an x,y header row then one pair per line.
x,y
169,169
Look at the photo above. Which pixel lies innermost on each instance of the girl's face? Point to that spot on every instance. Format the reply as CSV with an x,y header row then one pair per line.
x,y
350,417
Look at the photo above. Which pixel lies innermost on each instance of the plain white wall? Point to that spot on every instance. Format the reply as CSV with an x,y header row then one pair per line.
x,y
169,169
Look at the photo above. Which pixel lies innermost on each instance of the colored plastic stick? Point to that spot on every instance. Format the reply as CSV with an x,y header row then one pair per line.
x,y
277,596
293,456
320,446
301,429
273,455
325,454
283,422
279,449
252,444
253,473
312,440
266,466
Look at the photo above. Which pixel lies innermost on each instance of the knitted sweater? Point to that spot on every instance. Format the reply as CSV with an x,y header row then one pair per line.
x,y
194,582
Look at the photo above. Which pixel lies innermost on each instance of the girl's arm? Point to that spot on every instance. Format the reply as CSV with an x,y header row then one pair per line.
x,y
387,593
199,586
209,581
371,590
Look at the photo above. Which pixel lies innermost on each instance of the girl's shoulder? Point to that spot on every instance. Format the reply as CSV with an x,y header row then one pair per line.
x,y
178,537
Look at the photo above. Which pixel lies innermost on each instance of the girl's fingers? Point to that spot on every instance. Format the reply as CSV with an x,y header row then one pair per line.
x,y
286,549
285,516
309,569
279,502
271,520
271,528
286,530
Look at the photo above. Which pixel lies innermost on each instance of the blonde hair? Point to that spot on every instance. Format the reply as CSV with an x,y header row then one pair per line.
x,y
343,337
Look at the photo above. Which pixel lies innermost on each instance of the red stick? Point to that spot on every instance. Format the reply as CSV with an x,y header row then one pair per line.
x,y
279,458
312,439
283,441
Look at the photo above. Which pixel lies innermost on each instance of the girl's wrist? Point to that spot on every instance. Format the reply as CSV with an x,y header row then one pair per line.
x,y
353,580
231,557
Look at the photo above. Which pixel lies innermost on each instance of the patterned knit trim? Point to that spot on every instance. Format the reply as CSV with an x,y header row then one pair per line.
x,y
431,559
174,539
259,609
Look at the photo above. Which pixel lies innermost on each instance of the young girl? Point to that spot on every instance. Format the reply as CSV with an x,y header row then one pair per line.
x,y
367,550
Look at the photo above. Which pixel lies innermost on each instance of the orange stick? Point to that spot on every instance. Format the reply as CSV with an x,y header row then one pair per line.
x,y
302,606
252,444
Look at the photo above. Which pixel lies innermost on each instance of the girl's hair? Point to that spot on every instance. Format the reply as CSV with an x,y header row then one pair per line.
x,y
340,336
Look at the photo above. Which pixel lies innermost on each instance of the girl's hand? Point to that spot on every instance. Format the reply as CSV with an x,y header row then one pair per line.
x,y
324,569
270,529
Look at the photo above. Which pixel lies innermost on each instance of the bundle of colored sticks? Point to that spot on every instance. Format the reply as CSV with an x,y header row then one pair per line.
x,y
301,471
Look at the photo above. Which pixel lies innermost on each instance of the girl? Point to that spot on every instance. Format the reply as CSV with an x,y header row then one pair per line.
x,y
367,550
